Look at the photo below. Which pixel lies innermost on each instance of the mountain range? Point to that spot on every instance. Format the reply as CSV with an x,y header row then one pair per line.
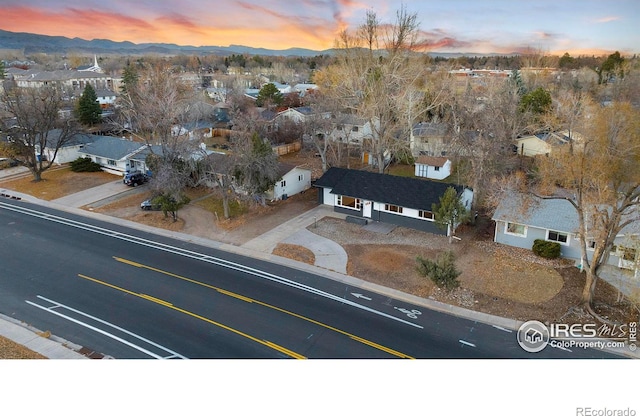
x,y
33,43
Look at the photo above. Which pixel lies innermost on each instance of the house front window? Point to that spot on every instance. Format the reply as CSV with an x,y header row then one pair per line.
x,y
427,215
557,236
111,162
283,184
393,208
516,229
436,168
349,202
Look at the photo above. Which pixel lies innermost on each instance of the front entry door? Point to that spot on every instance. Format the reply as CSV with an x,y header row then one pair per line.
x,y
366,211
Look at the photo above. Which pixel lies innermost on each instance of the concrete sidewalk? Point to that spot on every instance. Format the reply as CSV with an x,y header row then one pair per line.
x,y
330,260
91,195
51,346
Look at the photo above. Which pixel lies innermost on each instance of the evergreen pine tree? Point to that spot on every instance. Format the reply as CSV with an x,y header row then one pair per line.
x,y
450,211
269,94
88,109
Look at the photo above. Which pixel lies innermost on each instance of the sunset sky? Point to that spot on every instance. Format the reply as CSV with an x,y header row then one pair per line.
x,y
481,26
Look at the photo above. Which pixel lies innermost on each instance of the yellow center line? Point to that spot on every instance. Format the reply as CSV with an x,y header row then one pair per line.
x,y
194,315
154,299
246,299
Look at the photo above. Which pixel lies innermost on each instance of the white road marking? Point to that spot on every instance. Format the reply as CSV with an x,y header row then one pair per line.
x,y
137,347
198,256
466,343
501,328
360,296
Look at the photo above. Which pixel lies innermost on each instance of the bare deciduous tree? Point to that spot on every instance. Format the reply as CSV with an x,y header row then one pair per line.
x,y
375,78
38,127
600,176
484,124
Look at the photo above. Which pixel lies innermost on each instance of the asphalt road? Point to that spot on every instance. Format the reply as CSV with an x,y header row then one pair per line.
x,y
130,294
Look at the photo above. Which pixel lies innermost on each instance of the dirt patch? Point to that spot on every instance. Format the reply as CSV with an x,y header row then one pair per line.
x,y
501,274
389,265
295,252
157,219
58,182
499,280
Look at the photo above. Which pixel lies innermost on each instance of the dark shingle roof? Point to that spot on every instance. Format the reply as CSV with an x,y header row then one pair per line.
x,y
112,147
396,190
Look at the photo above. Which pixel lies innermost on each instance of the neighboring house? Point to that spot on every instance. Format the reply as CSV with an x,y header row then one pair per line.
x,y
385,198
116,155
293,180
429,139
304,89
106,98
67,152
521,220
350,129
297,114
194,130
432,167
543,143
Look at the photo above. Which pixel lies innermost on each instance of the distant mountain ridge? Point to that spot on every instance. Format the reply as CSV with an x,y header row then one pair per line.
x,y
34,43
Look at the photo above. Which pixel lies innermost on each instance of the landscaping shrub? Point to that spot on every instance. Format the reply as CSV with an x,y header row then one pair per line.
x,y
84,164
442,271
546,249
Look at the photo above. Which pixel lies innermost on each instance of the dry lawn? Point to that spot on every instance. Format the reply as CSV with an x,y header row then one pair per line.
x,y
10,350
294,252
58,182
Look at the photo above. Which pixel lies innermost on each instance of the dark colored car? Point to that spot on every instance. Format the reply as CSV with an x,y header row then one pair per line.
x,y
147,205
134,178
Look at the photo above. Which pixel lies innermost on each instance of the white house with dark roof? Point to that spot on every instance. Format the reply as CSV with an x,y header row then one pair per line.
x,y
116,155
390,199
432,167
520,220
69,151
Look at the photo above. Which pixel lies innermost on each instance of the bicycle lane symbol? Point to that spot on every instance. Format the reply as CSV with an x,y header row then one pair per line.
x,y
410,313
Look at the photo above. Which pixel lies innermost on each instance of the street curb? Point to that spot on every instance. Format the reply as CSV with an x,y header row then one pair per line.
x,y
481,317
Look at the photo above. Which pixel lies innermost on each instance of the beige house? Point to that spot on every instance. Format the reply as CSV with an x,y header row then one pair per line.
x,y
543,143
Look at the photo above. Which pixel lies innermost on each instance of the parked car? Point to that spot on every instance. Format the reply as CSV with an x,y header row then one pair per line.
x,y
147,205
134,178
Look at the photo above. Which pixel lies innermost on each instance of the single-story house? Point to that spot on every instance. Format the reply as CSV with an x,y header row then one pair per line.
x,y
522,219
69,151
432,167
544,143
386,198
115,155
293,180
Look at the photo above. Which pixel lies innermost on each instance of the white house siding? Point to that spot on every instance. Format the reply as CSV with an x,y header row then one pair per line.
x,y
295,181
65,154
118,168
328,198
428,171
